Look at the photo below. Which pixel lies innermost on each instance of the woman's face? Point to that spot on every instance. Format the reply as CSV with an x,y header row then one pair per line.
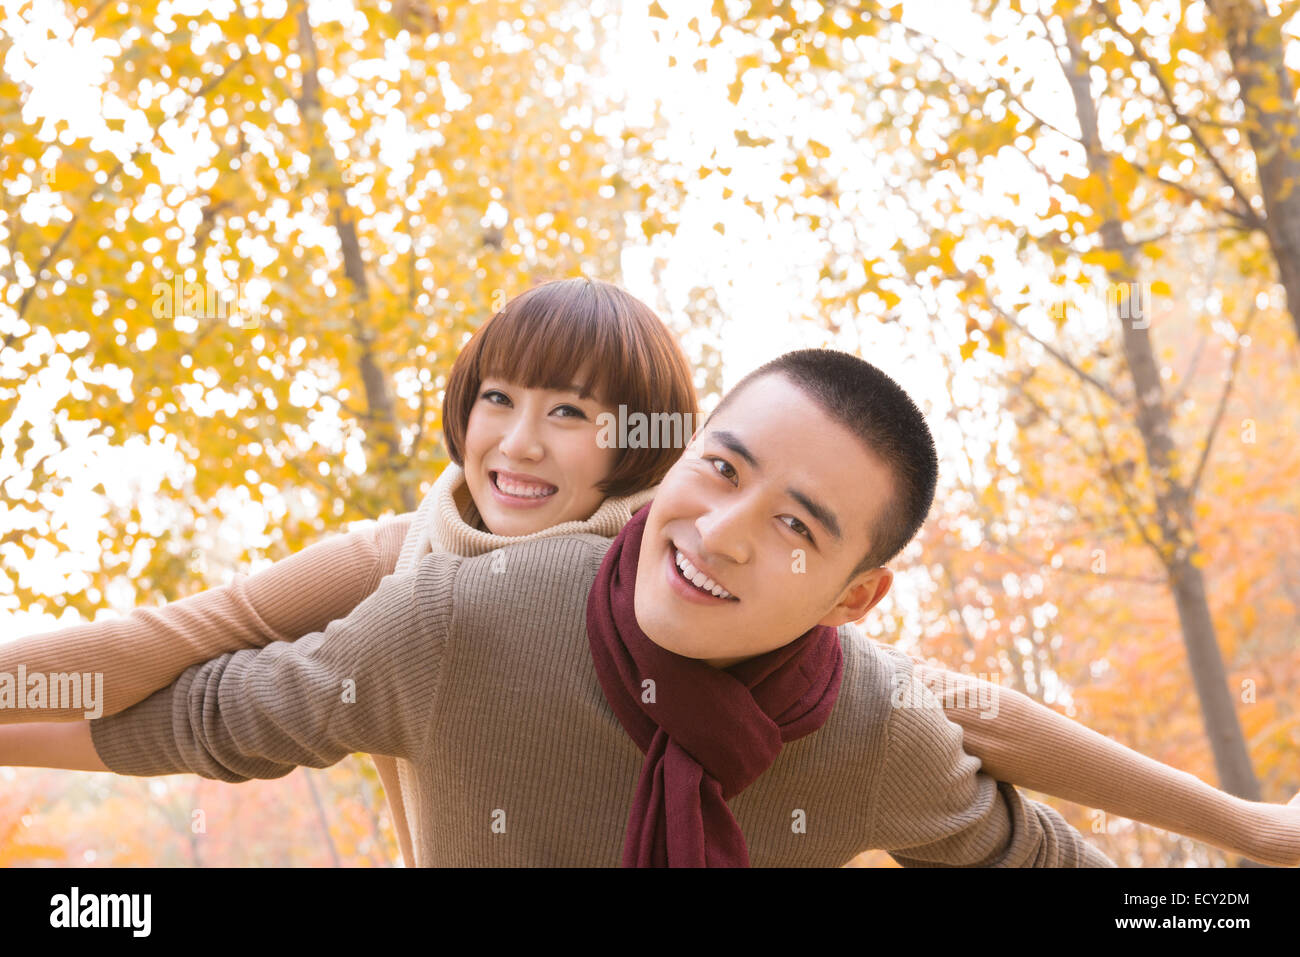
x,y
532,459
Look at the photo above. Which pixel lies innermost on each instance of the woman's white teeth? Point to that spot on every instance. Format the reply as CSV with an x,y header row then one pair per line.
x,y
699,579
523,491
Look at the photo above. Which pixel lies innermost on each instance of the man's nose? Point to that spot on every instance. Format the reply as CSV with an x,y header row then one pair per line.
x,y
725,531
521,441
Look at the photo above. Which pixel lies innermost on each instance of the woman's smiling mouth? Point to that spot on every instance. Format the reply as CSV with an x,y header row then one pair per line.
x,y
518,490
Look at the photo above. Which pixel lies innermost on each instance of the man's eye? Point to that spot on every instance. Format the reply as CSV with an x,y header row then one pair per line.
x,y
799,527
715,462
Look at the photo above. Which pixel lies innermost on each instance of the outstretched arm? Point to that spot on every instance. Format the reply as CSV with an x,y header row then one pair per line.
x,y
934,806
367,683
137,655
1027,744
49,744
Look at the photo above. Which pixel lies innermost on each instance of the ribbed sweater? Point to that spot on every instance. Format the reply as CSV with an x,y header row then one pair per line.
x,y
477,672
449,521
1026,744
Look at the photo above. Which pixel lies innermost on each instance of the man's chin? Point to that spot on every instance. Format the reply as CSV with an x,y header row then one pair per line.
x,y
650,627
680,638
685,646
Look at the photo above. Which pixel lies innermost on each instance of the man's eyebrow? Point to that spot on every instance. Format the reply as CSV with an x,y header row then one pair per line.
x,y
732,441
819,512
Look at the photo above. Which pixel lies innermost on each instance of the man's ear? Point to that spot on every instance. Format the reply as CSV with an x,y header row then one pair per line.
x,y
860,596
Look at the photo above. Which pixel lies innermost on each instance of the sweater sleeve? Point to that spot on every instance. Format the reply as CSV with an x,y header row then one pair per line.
x,y
1026,743
149,648
935,808
366,683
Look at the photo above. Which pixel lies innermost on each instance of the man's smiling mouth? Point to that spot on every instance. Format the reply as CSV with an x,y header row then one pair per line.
x,y
701,582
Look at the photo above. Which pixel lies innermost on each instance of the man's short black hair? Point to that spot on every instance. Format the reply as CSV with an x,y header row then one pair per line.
x,y
875,408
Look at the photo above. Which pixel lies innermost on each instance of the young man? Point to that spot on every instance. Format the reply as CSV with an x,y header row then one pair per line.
x,y
690,694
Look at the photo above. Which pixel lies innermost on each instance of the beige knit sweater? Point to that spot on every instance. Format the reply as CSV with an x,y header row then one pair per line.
x,y
1026,743
448,521
149,649
477,673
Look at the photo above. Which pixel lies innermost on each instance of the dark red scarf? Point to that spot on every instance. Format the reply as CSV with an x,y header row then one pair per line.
x,y
709,733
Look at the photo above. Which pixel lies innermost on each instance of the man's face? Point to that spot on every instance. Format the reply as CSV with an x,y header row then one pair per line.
x,y
773,501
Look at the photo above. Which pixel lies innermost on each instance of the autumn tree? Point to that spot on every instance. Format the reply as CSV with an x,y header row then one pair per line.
x,y
1200,92
1004,200
261,255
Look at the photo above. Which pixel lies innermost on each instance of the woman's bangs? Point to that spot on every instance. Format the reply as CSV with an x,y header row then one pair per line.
x,y
552,351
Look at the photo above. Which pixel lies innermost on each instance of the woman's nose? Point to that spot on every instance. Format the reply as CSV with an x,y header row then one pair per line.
x,y
520,441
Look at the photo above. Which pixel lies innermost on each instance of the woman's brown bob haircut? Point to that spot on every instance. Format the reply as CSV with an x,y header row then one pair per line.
x,y
579,331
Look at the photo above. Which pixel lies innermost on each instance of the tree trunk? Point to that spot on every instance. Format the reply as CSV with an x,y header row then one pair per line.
x,y
382,425
321,818
1268,102
1176,543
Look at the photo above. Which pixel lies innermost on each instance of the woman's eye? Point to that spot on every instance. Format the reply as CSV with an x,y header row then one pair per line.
x,y
495,397
799,527
572,411
728,474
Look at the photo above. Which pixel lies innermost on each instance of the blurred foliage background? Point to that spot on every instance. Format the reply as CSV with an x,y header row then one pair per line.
x,y
242,242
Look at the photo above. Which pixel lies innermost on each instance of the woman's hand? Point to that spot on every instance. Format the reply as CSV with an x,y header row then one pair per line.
x,y
49,744
1275,834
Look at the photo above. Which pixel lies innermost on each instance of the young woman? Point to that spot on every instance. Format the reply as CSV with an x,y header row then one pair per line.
x,y
521,417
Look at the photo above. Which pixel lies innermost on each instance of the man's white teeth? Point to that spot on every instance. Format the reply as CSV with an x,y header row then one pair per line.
x,y
523,491
699,579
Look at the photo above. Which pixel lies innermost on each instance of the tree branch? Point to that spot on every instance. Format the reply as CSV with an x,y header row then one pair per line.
x,y
39,273
1248,211
1056,354
1112,475
1218,412
1192,365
